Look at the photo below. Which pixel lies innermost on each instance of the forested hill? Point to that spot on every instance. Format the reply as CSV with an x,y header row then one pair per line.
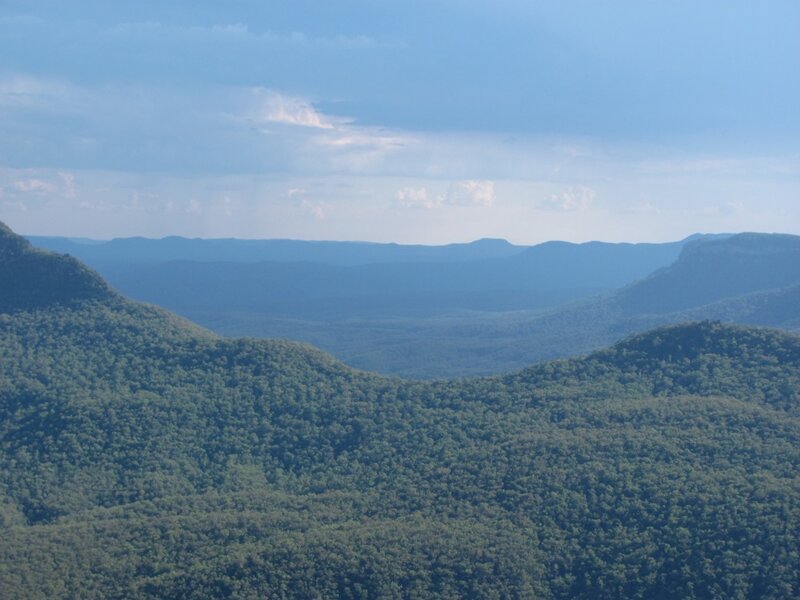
x,y
31,278
141,457
167,466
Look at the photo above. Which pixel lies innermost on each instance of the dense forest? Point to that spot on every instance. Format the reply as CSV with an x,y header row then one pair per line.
x,y
142,456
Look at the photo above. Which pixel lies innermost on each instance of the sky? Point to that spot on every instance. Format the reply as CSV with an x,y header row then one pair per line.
x,y
421,121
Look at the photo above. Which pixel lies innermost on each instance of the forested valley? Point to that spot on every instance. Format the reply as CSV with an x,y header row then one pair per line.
x,y
433,312
144,456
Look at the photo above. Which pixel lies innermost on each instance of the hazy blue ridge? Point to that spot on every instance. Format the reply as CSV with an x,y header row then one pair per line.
x,y
711,270
361,311
428,320
139,249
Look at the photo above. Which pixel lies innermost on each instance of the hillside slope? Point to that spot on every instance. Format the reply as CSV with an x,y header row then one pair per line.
x,y
142,457
34,279
712,270
748,279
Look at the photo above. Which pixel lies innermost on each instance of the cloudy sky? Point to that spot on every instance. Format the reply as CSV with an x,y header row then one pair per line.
x,y
424,121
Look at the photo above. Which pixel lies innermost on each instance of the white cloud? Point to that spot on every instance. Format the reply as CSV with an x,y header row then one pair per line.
x,y
470,193
35,186
314,141
576,198
318,210
410,197
60,183
364,138
289,110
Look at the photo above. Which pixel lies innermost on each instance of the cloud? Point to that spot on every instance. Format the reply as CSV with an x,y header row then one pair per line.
x,y
410,197
353,149
288,110
364,138
36,186
576,198
460,193
318,210
317,141
60,182
470,193
223,129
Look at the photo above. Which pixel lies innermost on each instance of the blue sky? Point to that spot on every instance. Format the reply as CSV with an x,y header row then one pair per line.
x,y
411,121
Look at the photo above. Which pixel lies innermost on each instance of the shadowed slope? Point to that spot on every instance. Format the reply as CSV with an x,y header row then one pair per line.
x,y
31,278
712,270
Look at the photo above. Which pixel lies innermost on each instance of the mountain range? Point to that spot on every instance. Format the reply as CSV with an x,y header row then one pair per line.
x,y
320,280
456,315
143,456
138,250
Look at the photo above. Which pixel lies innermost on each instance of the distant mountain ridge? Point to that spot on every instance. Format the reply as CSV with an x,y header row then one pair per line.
x,y
436,319
759,288
711,270
348,282
549,265
140,249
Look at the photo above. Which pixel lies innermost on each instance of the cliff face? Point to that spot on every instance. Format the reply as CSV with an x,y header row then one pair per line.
x,y
712,270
